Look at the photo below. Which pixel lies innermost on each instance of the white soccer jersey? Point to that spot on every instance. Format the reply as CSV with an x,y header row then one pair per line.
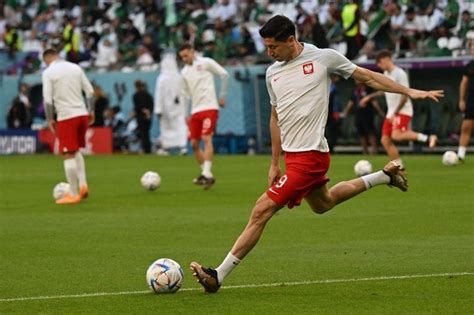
x,y
393,99
200,86
299,89
63,84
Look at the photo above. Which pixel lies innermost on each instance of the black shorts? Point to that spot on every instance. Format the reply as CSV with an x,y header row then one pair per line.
x,y
469,112
365,126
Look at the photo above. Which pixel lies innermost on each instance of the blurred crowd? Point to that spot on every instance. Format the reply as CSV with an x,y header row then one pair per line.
x,y
130,35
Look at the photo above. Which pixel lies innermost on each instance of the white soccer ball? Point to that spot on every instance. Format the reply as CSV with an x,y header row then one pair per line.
x,y
150,180
164,276
61,190
450,158
362,167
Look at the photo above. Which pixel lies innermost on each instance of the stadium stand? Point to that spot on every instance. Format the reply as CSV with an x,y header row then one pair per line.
x,y
120,35
121,41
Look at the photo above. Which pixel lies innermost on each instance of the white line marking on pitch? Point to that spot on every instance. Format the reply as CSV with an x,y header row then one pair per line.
x,y
242,286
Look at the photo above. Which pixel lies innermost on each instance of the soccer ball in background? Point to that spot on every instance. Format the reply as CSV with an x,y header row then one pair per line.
x,y
164,276
150,180
450,158
61,190
362,167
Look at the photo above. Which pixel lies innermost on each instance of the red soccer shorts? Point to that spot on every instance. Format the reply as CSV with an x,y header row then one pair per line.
x,y
202,124
72,133
305,171
400,122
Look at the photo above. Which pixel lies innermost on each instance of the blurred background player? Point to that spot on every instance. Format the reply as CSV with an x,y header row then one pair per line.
x,y
170,106
333,123
298,86
466,105
63,85
101,104
364,117
198,74
143,108
396,126
115,119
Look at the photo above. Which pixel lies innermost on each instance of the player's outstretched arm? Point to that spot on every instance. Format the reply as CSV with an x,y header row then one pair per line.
x,y
382,83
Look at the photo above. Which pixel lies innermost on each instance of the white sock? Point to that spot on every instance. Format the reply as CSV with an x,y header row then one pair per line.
x,y
226,267
81,169
206,169
421,137
374,179
70,168
462,152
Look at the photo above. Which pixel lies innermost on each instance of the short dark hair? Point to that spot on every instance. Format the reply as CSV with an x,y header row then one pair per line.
x,y
383,54
278,27
410,10
185,46
50,52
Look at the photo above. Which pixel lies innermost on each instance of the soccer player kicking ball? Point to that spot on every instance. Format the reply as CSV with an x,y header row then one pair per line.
x,y
198,74
63,84
298,85
396,126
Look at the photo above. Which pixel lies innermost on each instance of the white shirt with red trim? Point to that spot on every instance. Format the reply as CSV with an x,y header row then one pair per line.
x,y
393,99
63,84
299,90
199,83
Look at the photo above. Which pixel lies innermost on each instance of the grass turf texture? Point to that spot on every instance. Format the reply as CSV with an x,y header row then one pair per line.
x,y
106,243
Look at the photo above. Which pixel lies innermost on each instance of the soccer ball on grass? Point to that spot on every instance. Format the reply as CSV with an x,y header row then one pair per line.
x,y
362,167
61,190
150,180
450,158
164,276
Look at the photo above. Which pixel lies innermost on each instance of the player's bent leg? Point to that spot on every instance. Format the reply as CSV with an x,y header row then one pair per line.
x,y
410,135
207,165
70,169
197,151
81,175
262,212
208,147
322,199
373,144
390,148
466,131
211,279
195,144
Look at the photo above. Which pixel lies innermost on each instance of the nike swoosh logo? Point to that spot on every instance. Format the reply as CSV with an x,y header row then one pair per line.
x,y
276,79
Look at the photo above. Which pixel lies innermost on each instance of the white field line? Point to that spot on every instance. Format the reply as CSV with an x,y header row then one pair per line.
x,y
243,286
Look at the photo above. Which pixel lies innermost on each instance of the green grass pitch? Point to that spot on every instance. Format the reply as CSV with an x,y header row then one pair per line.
x,y
105,244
